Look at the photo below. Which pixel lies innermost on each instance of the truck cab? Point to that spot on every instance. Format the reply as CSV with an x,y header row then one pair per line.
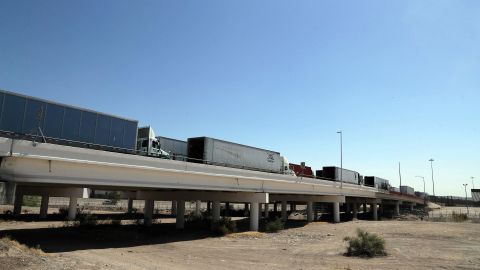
x,y
285,166
148,145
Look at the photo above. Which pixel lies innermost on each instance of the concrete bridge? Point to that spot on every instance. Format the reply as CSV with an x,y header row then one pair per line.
x,y
51,170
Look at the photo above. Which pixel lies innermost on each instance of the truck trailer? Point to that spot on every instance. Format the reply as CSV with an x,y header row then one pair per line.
x,y
333,173
377,182
407,190
222,153
41,120
177,149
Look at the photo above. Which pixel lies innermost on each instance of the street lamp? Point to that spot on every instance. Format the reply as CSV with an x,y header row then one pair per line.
x,y
466,202
424,194
341,158
473,186
433,183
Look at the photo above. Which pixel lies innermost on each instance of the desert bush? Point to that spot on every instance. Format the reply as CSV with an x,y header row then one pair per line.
x,y
224,226
86,220
459,217
365,245
33,201
274,226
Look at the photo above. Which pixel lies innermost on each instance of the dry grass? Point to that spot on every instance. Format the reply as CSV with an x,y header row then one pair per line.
x,y
9,244
243,235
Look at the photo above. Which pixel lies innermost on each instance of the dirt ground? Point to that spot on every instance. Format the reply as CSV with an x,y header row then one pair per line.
x,y
319,245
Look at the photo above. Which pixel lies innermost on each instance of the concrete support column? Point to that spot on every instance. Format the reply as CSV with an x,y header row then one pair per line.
x,y
130,205
374,211
198,205
44,207
293,207
284,211
216,211
364,208
254,210
265,210
309,211
148,212
275,210
397,208
347,208
17,205
336,212
72,208
315,212
227,209
355,210
174,208
411,206
180,222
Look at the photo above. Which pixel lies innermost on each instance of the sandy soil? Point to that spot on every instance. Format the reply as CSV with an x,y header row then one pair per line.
x,y
410,245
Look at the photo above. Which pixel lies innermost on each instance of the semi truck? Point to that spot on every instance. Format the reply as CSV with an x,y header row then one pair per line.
x,y
223,153
407,190
333,173
41,120
148,144
377,182
177,149
306,171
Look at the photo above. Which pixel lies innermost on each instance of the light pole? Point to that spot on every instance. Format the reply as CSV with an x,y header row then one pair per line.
x,y
466,202
433,183
424,194
473,186
341,158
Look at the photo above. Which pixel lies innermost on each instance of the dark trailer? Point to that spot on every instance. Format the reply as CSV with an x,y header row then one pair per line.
x,y
37,119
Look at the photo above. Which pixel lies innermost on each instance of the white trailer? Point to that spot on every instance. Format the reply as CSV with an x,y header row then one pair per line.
x,y
228,154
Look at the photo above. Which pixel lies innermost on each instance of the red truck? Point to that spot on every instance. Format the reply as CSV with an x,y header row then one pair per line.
x,y
306,172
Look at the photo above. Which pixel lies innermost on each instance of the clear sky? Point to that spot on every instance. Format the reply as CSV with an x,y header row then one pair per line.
x,y
400,78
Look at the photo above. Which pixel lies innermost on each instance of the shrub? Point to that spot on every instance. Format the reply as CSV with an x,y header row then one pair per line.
x,y
274,226
86,220
224,226
365,245
33,201
459,217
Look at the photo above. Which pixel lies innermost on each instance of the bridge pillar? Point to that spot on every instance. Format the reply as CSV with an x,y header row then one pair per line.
x,y
72,208
293,207
336,212
397,208
374,211
364,208
355,210
44,207
148,212
129,205
309,211
17,204
284,211
180,220
227,209
174,208
411,206
254,210
347,208
215,211
265,210
198,205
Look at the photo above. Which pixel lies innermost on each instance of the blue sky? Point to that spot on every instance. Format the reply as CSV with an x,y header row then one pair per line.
x,y
400,78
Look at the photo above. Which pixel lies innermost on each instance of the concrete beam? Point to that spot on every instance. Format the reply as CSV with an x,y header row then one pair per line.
x,y
336,212
254,212
362,200
180,221
307,198
309,211
284,211
50,191
204,196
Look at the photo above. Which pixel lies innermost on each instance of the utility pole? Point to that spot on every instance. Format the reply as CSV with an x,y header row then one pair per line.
x,y
433,183
341,158
424,194
473,186
466,201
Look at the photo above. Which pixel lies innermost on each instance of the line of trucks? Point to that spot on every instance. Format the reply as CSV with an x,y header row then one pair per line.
x,y
41,120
